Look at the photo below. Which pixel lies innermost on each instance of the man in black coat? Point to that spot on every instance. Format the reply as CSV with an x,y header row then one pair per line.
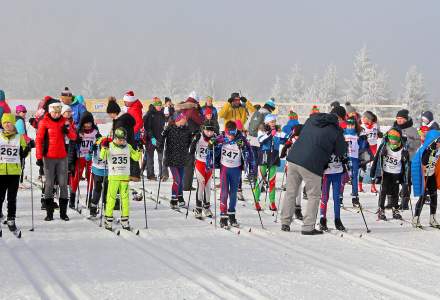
x,y
154,123
319,139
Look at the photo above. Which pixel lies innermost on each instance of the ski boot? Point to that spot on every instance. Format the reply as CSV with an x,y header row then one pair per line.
x,y
108,223
273,207
355,201
224,222
11,225
416,222
396,214
181,201
240,195
43,203
49,209
207,212
341,200
136,196
298,213
433,222
173,204
360,187
72,200
285,227
198,213
152,178
373,188
381,215
63,209
258,206
233,220
164,178
323,224
339,226
125,223
93,211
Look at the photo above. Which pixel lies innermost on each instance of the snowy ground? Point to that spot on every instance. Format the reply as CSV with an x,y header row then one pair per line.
x,y
178,258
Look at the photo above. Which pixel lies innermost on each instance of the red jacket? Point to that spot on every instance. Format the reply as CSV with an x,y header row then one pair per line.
x,y
49,142
135,110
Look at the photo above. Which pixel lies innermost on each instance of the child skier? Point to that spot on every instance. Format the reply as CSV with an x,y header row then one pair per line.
x,y
13,148
236,155
270,138
203,168
332,176
99,173
423,166
356,144
117,155
176,139
370,128
88,133
389,166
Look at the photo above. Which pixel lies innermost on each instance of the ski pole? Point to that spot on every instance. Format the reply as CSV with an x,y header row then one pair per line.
x,y
252,189
215,190
32,192
105,178
281,192
89,184
160,177
363,217
145,201
189,197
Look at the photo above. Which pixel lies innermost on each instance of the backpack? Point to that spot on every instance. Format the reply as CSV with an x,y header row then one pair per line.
x,y
256,120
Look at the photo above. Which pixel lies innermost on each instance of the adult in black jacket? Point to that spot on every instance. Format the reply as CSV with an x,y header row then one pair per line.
x,y
319,139
154,124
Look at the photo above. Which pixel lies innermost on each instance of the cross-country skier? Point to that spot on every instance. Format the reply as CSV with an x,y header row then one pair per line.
x,y
13,148
423,167
389,166
176,140
51,153
87,135
117,154
234,148
270,138
99,173
204,166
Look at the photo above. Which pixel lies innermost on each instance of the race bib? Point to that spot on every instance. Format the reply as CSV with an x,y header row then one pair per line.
x,y
430,168
202,150
10,150
334,166
231,156
88,139
353,146
119,161
393,161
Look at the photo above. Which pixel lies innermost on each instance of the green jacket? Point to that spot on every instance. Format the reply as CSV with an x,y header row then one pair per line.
x,y
12,168
131,153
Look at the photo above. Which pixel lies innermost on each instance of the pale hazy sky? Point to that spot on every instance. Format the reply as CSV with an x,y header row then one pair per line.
x,y
244,43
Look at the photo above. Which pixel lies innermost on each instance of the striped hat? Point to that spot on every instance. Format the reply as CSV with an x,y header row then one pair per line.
x,y
292,115
394,135
315,110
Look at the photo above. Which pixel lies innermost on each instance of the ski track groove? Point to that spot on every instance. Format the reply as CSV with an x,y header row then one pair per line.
x,y
223,288
364,278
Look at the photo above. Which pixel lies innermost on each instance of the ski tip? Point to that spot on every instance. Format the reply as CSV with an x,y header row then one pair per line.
x,y
19,234
250,229
342,235
118,232
137,232
238,232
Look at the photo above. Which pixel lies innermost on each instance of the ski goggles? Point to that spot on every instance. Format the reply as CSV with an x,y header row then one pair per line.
x,y
209,128
55,108
231,132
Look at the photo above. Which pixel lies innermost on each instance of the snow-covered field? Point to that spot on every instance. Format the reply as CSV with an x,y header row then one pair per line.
x,y
178,258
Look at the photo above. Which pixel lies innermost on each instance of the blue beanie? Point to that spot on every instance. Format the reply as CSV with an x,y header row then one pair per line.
x,y
2,95
270,103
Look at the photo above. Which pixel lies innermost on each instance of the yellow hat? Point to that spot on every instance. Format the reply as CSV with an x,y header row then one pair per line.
x,y
8,118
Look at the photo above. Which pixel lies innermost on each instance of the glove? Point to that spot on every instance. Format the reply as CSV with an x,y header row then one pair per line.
x,y
273,132
153,141
240,143
88,157
65,129
31,144
211,143
40,163
243,99
105,142
252,177
94,147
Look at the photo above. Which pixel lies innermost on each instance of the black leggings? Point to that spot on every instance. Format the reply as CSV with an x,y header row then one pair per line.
x,y
100,184
431,190
9,184
390,188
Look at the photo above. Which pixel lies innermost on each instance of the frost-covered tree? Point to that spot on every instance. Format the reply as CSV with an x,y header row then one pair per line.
x,y
311,94
375,87
414,94
93,85
361,75
276,91
329,89
295,85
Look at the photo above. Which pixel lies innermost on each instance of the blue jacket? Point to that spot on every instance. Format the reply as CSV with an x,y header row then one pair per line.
x,y
287,129
77,110
417,176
